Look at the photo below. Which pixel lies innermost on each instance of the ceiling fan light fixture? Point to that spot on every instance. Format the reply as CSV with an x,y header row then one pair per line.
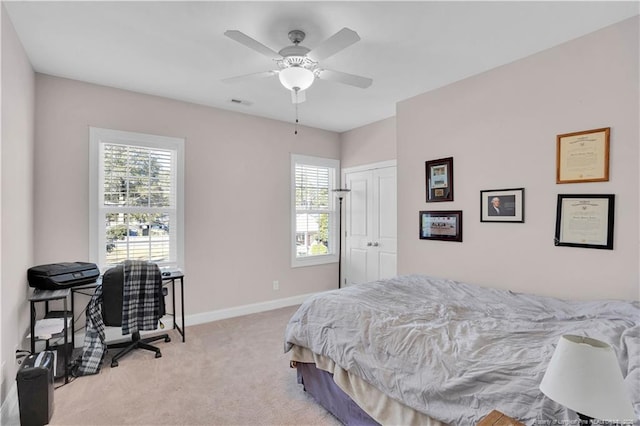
x,y
296,78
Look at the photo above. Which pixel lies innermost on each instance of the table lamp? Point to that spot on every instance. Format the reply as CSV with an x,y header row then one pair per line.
x,y
584,376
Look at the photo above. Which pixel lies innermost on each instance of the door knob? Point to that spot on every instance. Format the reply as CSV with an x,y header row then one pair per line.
x,y
369,244
376,244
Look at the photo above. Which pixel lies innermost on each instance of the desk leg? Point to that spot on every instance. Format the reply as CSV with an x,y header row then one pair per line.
x,y
180,327
73,311
173,301
33,327
182,303
66,342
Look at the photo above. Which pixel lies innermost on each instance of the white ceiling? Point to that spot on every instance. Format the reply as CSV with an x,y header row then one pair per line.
x,y
178,50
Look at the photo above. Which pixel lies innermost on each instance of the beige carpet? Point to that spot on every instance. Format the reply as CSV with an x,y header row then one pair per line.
x,y
229,372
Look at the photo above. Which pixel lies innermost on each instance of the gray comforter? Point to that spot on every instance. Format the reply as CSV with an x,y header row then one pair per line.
x,y
456,351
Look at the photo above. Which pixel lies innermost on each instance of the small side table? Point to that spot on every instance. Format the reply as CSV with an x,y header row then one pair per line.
x,y
47,296
496,418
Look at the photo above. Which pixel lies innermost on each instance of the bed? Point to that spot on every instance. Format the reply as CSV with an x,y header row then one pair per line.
x,y
423,350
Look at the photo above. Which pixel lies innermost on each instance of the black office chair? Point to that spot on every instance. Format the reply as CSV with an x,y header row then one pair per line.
x,y
115,282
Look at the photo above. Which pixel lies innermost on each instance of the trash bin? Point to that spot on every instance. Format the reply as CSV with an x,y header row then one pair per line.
x,y
35,389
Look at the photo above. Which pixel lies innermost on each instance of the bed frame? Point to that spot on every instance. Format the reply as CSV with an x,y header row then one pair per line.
x,y
350,399
320,385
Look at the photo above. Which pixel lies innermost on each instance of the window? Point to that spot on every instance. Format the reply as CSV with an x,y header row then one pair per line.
x,y
313,211
136,198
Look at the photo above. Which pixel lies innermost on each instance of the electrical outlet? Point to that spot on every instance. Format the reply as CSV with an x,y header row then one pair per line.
x,y
20,354
276,285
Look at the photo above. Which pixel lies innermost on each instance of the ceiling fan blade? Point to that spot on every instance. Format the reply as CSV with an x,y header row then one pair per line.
x,y
344,78
298,97
251,43
340,40
246,77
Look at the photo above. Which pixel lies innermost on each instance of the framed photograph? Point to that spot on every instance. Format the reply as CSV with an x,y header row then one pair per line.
x,y
585,220
583,156
502,205
439,175
441,225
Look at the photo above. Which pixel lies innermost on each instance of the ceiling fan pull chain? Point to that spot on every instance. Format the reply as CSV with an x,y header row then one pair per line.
x,y
296,128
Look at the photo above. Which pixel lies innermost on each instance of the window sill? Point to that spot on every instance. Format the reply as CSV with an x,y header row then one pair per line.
x,y
313,261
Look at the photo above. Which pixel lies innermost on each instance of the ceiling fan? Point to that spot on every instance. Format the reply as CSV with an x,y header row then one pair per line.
x,y
298,66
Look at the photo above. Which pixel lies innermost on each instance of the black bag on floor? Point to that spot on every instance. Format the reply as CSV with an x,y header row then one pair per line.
x,y
57,276
35,389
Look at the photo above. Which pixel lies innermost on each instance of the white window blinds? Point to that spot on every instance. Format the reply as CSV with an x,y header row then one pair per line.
x,y
138,215
137,176
313,213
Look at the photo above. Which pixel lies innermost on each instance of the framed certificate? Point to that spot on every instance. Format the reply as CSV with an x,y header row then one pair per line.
x,y
441,225
439,175
583,156
585,220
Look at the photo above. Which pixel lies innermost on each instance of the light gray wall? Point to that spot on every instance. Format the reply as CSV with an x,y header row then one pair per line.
x,y
237,188
369,144
500,127
16,198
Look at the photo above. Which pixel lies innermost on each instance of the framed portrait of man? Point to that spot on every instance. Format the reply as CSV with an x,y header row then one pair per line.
x,y
502,205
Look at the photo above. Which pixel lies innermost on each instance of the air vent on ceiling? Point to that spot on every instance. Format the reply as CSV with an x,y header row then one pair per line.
x,y
241,102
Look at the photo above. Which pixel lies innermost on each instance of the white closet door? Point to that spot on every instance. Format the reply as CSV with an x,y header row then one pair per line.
x,y
358,227
385,223
371,225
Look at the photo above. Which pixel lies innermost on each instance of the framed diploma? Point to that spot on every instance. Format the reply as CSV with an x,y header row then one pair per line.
x,y
585,220
441,225
439,175
583,156
502,205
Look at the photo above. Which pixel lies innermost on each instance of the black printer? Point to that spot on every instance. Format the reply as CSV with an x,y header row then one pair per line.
x,y
55,276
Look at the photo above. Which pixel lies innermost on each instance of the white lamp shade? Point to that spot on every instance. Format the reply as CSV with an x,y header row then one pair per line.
x,y
296,78
584,376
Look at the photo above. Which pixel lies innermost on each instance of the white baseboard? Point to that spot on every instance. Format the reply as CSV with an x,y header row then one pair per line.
x,y
253,308
113,334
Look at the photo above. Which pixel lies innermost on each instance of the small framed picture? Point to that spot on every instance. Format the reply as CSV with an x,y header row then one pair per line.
x,y
441,225
585,220
583,156
502,205
439,174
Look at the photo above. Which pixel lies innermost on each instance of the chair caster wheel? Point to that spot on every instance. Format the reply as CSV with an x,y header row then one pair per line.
x,y
114,364
167,339
158,355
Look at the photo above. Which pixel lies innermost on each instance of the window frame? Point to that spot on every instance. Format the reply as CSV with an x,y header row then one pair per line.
x,y
97,234
334,176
